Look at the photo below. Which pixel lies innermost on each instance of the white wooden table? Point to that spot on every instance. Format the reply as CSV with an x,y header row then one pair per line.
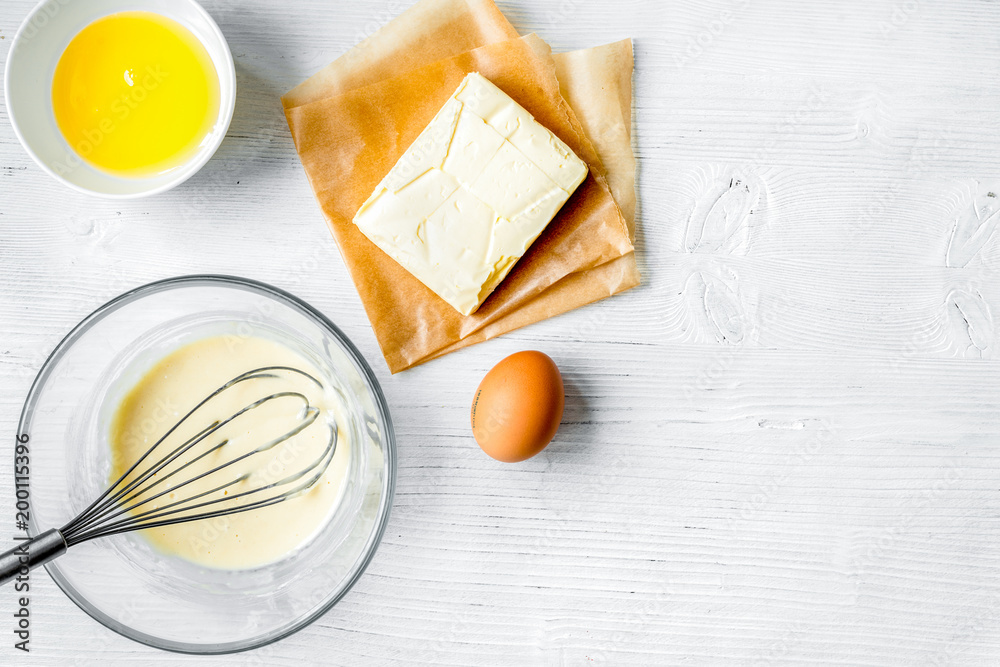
x,y
782,449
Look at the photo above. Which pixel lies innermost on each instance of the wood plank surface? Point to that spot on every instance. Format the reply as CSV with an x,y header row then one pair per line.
x,y
781,449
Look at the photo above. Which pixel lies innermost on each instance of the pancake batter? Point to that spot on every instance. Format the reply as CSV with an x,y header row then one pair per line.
x,y
172,388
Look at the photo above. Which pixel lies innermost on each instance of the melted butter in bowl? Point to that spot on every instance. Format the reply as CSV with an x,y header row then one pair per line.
x,y
135,94
174,386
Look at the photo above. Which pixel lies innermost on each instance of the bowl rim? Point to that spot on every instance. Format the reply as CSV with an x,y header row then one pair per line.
x,y
389,465
227,108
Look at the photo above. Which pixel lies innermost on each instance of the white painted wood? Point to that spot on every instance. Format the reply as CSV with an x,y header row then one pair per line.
x,y
781,449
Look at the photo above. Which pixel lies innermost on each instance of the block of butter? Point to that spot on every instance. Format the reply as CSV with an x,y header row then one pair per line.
x,y
472,193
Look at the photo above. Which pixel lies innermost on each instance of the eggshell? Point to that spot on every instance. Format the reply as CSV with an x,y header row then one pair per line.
x,y
518,406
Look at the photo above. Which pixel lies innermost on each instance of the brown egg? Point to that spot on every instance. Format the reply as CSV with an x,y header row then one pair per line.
x,y
518,406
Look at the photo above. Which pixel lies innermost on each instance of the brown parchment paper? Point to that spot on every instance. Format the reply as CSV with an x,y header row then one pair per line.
x,y
597,83
348,142
428,31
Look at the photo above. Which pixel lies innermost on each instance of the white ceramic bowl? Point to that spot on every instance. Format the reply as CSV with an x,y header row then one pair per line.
x,y
31,63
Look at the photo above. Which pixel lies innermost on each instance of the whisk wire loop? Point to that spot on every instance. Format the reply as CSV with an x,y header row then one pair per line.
x,y
116,499
114,511
150,518
101,517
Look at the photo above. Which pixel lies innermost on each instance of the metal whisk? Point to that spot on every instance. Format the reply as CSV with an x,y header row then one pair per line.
x,y
120,508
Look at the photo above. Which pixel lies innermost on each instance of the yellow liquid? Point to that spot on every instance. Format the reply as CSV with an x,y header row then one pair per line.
x,y
135,94
169,391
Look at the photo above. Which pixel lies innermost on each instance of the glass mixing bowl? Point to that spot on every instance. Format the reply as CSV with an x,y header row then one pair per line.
x,y
121,581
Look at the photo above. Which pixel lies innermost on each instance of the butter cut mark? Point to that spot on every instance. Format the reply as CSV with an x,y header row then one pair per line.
x,y
428,150
548,153
511,183
471,148
390,212
539,145
481,97
458,241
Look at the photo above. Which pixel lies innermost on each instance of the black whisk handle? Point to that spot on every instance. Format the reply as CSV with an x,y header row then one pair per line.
x,y
31,553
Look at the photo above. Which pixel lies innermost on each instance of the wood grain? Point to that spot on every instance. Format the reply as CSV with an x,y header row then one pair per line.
x,y
781,449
